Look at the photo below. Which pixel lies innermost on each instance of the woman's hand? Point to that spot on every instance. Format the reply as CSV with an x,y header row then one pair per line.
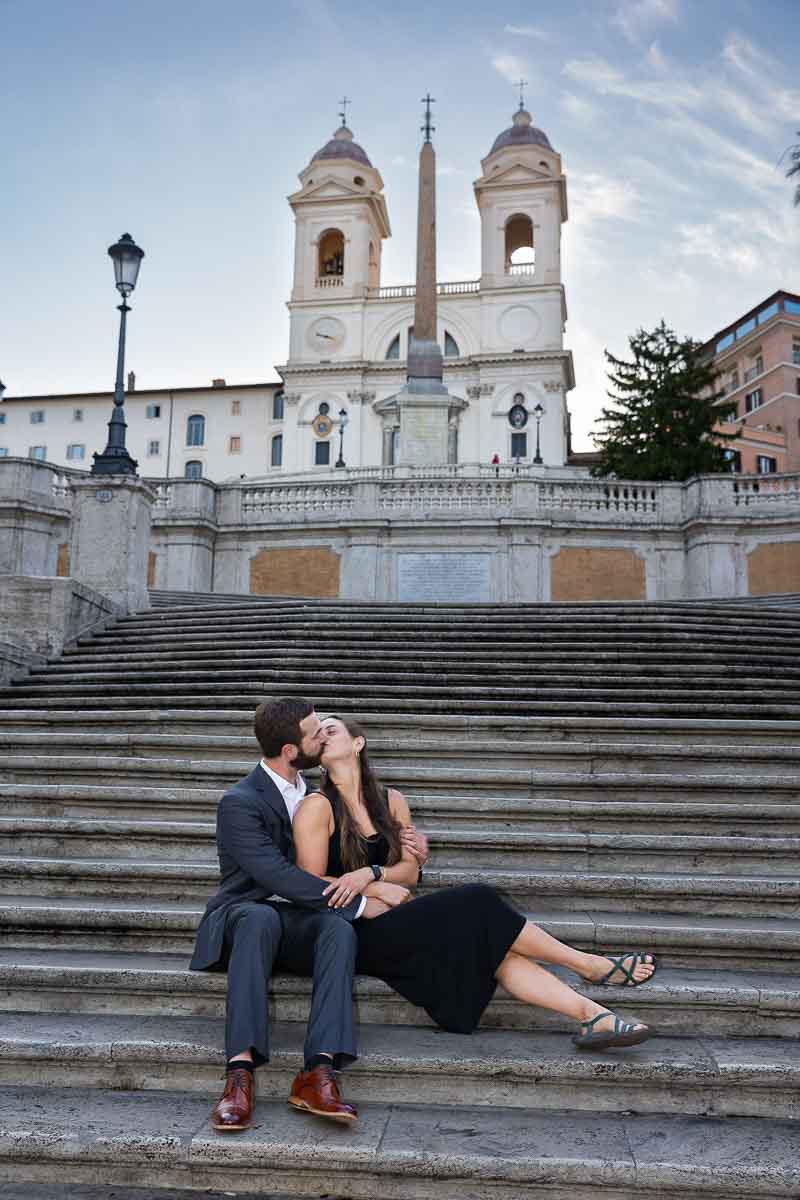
x,y
348,886
392,894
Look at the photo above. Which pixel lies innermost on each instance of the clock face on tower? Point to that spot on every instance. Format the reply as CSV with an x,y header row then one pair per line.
x,y
326,335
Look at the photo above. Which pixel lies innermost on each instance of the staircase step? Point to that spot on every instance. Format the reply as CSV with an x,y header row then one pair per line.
x,y
415,1152
560,731
96,802
100,922
711,1003
679,893
743,1077
467,781
410,753
451,848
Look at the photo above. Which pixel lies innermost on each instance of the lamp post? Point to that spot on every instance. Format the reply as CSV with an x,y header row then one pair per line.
x,y
343,420
115,459
538,412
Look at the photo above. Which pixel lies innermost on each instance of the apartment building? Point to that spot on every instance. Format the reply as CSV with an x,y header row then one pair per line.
x,y
219,432
758,357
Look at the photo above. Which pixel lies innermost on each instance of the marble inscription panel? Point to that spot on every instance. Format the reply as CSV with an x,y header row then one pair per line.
x,y
455,578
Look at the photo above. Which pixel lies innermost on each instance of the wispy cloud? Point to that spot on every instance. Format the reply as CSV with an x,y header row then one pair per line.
x,y
510,66
635,18
531,31
578,108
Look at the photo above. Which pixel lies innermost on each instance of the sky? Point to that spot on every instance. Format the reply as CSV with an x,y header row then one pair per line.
x,y
186,122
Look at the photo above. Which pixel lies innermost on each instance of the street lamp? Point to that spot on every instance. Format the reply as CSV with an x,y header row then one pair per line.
x,y
538,412
343,420
115,459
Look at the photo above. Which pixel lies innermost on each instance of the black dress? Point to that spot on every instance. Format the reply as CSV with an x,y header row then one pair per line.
x,y
440,951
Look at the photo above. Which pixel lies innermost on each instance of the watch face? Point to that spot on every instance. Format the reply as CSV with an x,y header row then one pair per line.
x,y
326,335
518,416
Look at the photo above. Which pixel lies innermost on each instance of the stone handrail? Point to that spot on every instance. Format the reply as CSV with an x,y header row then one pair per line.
x,y
407,291
378,492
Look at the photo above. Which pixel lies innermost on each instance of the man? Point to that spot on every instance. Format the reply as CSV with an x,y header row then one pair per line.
x,y
268,913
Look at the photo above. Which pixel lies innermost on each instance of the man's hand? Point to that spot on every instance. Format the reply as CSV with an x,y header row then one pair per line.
x,y
411,839
391,894
374,908
348,886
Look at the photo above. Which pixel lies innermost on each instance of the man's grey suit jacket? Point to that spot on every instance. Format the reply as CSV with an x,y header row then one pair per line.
x,y
254,844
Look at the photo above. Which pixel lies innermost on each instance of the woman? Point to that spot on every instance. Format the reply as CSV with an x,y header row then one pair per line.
x,y
448,950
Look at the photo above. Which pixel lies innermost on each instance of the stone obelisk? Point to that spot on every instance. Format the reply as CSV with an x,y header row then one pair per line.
x,y
425,402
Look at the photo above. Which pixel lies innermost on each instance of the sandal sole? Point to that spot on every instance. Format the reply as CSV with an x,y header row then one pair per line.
x,y
610,1043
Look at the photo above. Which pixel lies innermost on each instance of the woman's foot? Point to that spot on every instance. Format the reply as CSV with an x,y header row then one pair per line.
x,y
606,1031
628,969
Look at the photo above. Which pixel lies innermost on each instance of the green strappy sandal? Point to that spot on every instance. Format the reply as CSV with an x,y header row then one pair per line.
x,y
623,1034
640,958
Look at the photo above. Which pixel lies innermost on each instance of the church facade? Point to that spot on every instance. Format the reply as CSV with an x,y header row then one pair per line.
x,y
502,335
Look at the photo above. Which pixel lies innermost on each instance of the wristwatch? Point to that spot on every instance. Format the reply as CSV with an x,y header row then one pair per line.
x,y
377,873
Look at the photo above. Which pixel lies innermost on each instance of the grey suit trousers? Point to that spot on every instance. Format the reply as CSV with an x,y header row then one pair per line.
x,y
261,937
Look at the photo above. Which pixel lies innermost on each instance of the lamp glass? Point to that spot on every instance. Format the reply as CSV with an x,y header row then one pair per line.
x,y
127,257
539,411
343,417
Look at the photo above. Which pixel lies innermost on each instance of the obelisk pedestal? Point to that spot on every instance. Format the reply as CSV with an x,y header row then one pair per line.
x,y
110,539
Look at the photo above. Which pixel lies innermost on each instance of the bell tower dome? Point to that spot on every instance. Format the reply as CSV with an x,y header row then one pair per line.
x,y
340,223
522,199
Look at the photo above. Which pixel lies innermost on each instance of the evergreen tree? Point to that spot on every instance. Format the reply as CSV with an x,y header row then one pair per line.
x,y
665,407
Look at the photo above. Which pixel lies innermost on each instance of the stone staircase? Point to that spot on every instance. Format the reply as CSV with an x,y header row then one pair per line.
x,y
627,774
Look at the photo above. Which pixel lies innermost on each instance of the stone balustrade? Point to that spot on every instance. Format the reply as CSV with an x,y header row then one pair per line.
x,y
714,535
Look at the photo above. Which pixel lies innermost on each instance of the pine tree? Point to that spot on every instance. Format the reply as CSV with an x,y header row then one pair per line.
x,y
665,408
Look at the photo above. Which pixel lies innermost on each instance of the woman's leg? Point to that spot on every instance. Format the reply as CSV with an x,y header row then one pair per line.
x,y
527,981
533,942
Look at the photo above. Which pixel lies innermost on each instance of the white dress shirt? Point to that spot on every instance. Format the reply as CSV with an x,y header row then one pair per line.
x,y
292,794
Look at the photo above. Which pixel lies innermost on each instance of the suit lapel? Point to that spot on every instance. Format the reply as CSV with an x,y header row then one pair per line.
x,y
270,794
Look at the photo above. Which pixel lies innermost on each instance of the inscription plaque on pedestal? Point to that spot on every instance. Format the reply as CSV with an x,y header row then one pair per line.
x,y
454,578
423,435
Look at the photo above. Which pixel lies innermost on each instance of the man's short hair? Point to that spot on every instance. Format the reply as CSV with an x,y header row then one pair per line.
x,y
277,723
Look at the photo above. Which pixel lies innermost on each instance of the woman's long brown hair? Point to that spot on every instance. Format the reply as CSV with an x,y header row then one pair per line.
x,y
376,802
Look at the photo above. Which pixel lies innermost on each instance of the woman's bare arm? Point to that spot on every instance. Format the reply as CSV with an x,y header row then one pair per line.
x,y
312,828
406,871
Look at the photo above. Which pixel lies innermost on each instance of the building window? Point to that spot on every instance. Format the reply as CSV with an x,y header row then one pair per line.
x,y
76,451
791,306
520,254
193,469
322,454
733,380
728,415
752,400
153,449
77,414
394,347
196,430
451,349
37,416
723,343
734,458
3,451
236,408
277,406
331,254
519,445
234,444
276,451
796,351
766,465
152,411
38,452
746,327
2,418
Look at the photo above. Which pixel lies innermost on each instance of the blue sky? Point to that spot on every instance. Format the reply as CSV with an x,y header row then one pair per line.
x,y
185,122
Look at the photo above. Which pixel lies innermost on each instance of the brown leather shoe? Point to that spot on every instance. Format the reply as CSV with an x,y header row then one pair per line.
x,y
234,1108
318,1092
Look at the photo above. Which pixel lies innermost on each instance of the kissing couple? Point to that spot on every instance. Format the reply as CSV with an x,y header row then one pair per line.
x,y
321,883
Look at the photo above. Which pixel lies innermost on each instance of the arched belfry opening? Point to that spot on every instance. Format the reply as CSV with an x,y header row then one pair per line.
x,y
520,251
331,254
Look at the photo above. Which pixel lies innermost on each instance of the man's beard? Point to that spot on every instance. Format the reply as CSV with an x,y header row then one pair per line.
x,y
304,762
